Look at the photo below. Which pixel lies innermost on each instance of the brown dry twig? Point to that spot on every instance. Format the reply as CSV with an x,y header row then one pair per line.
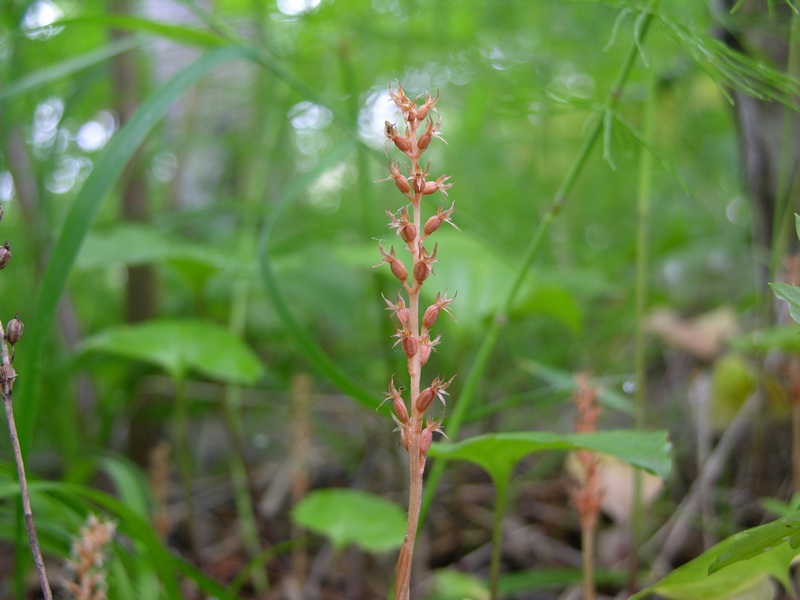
x,y
10,336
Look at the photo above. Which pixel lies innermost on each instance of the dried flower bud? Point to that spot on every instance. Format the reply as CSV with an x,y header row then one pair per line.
x,y
430,103
14,330
424,352
399,179
430,316
409,344
435,221
397,266
425,441
5,255
400,410
408,233
424,141
403,143
431,187
404,437
423,267
425,399
438,387
432,312
400,311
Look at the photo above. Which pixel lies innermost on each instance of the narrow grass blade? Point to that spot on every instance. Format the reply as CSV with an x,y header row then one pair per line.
x,y
65,68
320,361
79,219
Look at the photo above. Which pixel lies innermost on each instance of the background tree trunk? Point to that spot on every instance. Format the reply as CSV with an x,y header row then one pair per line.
x,y
769,132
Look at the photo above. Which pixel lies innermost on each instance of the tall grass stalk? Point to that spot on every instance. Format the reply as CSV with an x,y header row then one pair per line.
x,y
640,370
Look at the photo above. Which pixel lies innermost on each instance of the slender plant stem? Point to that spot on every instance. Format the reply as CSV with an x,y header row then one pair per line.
x,y
642,218
470,388
497,537
786,187
8,375
587,561
185,466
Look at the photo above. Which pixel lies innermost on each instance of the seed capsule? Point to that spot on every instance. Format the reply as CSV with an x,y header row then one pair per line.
x,y
14,330
425,441
425,399
5,255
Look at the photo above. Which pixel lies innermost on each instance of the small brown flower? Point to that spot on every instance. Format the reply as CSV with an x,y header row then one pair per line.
x,y
441,216
398,268
424,266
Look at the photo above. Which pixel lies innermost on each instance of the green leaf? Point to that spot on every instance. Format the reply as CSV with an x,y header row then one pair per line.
x,y
758,540
352,517
499,453
180,346
704,578
449,584
185,35
791,294
82,214
136,244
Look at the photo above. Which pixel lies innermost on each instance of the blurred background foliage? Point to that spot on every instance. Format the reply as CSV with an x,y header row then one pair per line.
x,y
255,195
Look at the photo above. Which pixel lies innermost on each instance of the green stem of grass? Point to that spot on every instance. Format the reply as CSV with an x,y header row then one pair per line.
x,y
185,465
497,537
640,367
787,189
500,318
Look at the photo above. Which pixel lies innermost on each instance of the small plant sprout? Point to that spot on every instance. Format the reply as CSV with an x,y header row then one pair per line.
x,y
413,324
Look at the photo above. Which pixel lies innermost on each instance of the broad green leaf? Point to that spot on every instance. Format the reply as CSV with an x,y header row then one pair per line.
x,y
180,346
352,517
758,540
449,584
135,244
499,453
791,294
476,272
82,214
693,581
46,75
